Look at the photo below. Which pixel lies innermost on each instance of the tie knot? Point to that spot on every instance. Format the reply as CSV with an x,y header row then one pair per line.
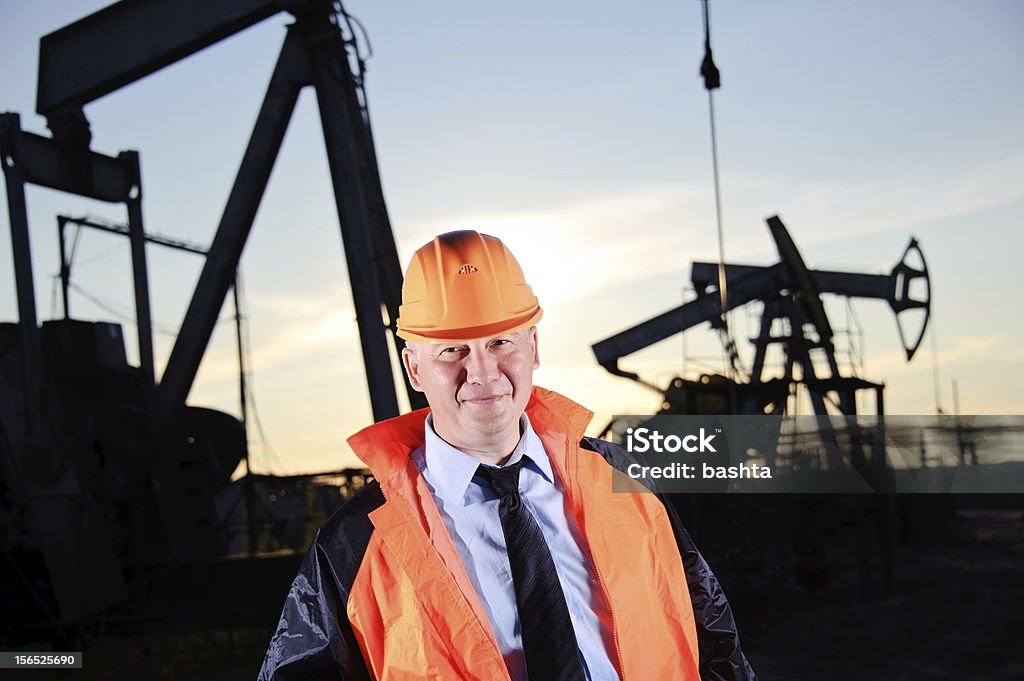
x,y
504,481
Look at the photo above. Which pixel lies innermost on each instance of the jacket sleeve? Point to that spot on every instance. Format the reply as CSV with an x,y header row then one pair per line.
x,y
313,640
721,657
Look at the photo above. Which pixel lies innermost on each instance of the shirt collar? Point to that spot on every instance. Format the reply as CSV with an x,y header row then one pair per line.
x,y
452,469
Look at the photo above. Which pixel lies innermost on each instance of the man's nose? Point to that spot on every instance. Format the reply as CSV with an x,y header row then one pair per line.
x,y
481,367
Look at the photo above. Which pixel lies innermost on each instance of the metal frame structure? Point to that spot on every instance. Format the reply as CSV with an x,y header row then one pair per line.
x,y
80,63
789,291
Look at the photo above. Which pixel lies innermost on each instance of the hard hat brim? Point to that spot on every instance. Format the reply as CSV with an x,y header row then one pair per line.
x,y
472,333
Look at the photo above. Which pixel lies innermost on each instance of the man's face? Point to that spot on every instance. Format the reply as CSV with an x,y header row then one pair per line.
x,y
478,389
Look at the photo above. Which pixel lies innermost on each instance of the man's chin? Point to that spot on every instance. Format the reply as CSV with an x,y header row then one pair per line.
x,y
488,418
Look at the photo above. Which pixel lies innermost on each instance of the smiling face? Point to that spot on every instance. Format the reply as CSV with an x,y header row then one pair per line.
x,y
477,389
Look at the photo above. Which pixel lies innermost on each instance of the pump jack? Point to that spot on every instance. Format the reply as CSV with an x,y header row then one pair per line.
x,y
70,474
790,292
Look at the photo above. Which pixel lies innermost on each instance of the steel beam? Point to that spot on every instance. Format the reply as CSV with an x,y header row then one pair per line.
x,y
12,150
128,40
389,267
347,157
140,272
218,273
797,269
124,231
768,317
851,284
65,273
46,163
706,308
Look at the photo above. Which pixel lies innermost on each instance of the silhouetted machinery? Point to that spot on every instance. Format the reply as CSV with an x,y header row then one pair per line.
x,y
105,470
793,318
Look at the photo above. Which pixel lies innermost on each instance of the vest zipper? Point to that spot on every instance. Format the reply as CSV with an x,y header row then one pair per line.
x,y
611,614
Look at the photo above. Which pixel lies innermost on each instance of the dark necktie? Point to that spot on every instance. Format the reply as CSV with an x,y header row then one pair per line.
x,y
549,642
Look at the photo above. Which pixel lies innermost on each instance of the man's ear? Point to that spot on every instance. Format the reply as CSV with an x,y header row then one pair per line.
x,y
411,362
536,351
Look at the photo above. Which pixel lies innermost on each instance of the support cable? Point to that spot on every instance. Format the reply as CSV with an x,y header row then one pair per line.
x,y
270,460
713,81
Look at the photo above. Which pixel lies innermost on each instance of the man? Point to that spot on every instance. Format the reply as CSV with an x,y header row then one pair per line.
x,y
491,545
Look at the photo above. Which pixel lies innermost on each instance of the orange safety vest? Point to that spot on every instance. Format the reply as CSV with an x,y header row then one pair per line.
x,y
383,584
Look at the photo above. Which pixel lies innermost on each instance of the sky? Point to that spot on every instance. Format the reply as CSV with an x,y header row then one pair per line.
x,y
577,132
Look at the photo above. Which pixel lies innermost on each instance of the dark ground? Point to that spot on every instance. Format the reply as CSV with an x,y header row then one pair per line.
x,y
956,609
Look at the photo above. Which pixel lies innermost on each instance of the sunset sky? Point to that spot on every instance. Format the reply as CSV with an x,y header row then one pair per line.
x,y
578,133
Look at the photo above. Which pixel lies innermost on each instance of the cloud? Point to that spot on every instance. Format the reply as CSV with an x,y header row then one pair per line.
x,y
282,330
963,351
584,245
822,211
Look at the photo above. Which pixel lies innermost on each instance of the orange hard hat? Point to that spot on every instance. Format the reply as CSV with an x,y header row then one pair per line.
x,y
463,286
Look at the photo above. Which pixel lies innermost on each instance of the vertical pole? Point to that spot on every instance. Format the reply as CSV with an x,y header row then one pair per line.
x,y
798,349
389,269
882,473
961,441
250,528
764,339
885,504
21,252
140,272
343,136
65,267
935,369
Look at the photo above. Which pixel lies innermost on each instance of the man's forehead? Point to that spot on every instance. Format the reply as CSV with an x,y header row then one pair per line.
x,y
522,333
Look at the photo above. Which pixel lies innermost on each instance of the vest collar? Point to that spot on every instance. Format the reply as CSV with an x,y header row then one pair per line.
x,y
385,447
